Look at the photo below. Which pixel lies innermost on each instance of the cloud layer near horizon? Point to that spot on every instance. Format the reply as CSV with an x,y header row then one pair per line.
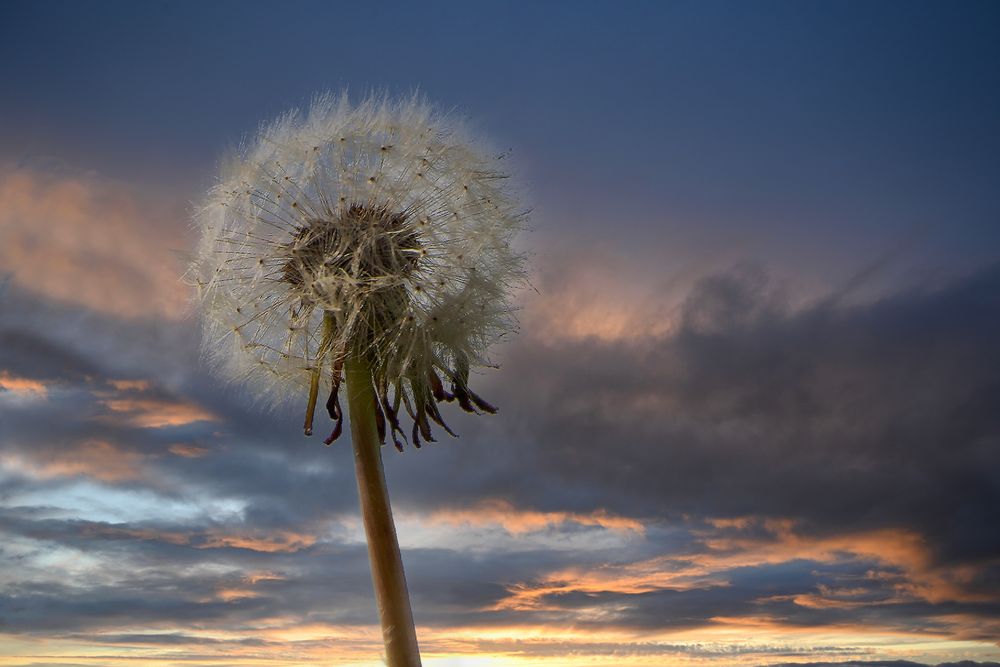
x,y
671,473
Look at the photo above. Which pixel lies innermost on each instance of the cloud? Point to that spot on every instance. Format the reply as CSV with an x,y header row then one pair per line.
x,y
857,437
22,386
130,385
152,413
188,451
96,459
275,541
272,541
868,416
21,389
590,292
752,469
857,572
27,352
80,239
514,521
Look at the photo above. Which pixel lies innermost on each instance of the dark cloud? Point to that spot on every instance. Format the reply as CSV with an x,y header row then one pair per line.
x,y
868,419
843,417
28,354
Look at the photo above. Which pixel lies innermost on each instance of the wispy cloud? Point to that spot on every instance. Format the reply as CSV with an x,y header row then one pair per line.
x,y
22,388
96,459
152,413
516,521
83,240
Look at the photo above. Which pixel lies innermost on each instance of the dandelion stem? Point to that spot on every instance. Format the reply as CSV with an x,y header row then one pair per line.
x,y
391,595
311,405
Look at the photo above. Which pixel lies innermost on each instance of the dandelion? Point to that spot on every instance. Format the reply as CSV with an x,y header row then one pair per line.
x,y
368,244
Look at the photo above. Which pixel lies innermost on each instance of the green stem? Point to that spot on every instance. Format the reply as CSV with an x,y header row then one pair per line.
x,y
383,548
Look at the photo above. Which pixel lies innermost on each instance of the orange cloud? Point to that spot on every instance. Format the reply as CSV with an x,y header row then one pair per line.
x,y
661,573
588,290
514,521
96,459
130,385
898,549
230,594
588,293
154,413
23,387
265,575
90,242
969,627
828,597
740,523
131,406
895,548
281,541
278,541
187,451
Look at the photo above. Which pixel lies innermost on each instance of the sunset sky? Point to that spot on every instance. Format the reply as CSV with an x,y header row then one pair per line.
x,y
752,417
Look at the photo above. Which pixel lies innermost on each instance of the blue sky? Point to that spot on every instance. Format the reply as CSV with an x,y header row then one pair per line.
x,y
818,128
749,418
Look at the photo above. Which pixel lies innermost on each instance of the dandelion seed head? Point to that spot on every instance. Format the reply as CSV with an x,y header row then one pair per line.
x,y
379,228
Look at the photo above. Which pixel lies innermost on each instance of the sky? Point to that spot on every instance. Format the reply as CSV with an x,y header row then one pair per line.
x,y
750,417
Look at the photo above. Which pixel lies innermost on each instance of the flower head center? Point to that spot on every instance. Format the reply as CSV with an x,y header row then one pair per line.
x,y
366,243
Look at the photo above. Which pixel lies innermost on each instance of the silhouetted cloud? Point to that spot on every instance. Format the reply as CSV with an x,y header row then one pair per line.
x,y
812,467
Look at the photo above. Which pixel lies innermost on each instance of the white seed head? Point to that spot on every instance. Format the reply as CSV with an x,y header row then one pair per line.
x,y
379,229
